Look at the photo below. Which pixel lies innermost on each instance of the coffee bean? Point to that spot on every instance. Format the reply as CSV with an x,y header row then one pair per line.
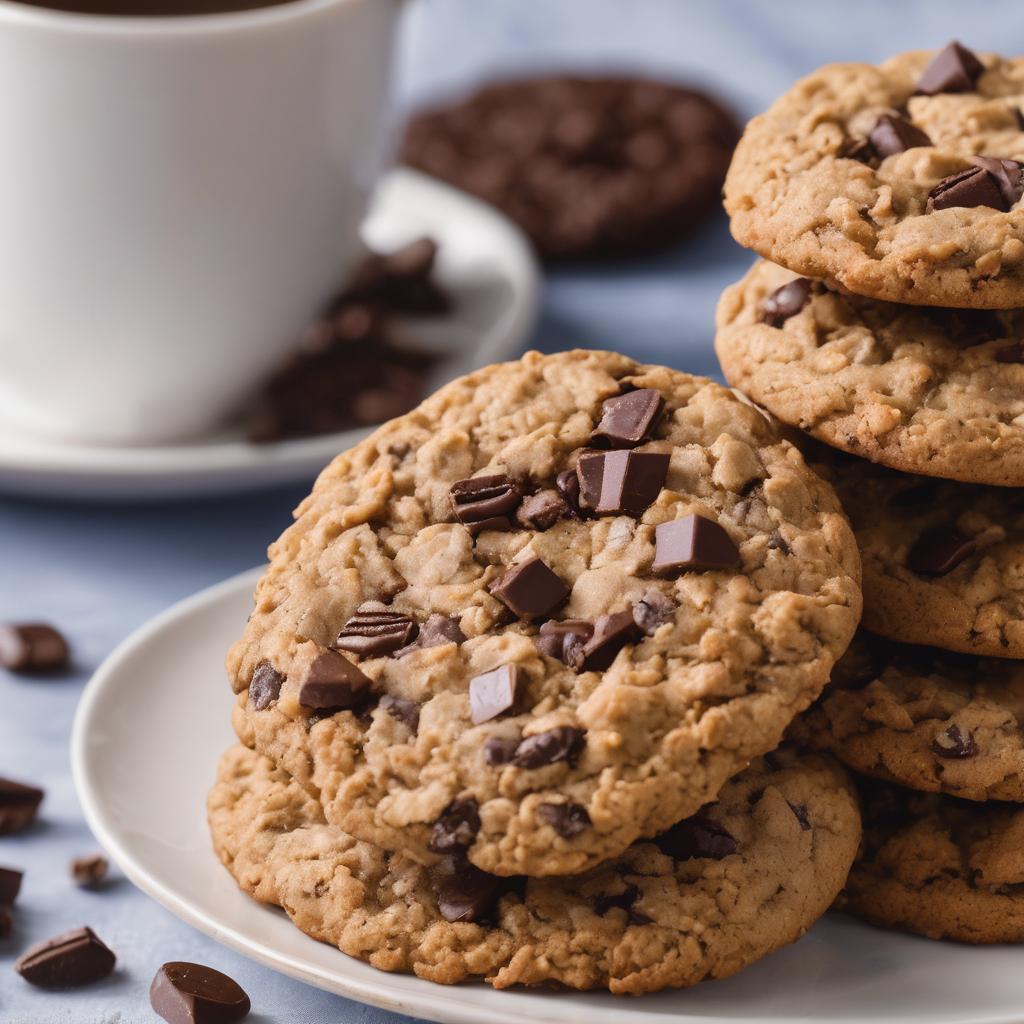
x,y
954,743
696,838
801,814
498,751
542,510
374,631
333,682
654,609
785,302
32,647
468,895
693,543
494,693
892,135
19,805
611,634
954,69
184,993
556,636
561,744
405,711
10,886
66,961
485,502
530,589
612,483
457,826
89,872
939,551
265,686
567,820
628,420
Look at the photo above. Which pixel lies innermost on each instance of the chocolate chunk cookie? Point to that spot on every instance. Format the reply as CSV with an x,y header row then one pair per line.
x,y
924,718
745,877
920,389
446,675
588,167
940,867
900,182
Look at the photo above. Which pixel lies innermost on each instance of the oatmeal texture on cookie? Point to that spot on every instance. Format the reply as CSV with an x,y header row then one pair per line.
x,y
745,877
868,176
497,627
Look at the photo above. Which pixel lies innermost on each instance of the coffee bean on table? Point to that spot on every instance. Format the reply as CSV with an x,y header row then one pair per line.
x,y
75,958
10,886
32,647
185,993
88,872
19,805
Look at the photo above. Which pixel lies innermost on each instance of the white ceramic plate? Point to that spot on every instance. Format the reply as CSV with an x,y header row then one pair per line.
x,y
484,261
150,728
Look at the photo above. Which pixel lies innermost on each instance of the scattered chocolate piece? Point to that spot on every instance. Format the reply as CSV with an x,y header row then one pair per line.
x,y
19,805
405,711
693,542
621,481
611,634
400,281
530,589
494,693
555,635
954,69
542,510
1007,175
801,814
457,827
939,551
568,485
333,682
374,631
697,837
623,900
89,872
184,993
66,961
785,302
562,744
567,820
10,886
654,609
468,895
954,743
437,630
484,502
6,922
265,686
628,420
498,750
1011,354
892,135
994,183
32,647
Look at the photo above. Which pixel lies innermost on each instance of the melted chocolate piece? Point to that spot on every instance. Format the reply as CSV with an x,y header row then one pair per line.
x,y
955,743
556,636
568,485
542,510
654,609
561,744
468,895
567,820
498,750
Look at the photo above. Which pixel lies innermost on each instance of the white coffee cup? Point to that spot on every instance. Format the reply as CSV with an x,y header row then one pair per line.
x,y
178,196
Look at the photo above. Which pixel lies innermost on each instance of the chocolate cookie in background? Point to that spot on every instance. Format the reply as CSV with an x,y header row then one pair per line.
x,y
589,168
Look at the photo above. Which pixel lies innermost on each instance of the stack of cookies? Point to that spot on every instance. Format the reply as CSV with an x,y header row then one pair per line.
x,y
888,327
511,695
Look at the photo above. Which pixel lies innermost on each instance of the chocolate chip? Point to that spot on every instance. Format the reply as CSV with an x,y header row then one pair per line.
x,y
10,886
32,647
621,481
437,630
785,302
530,589
623,900
88,872
498,750
542,510
693,542
264,686
567,820
494,693
468,895
801,814
994,183
333,682
892,135
484,502
405,711
1011,353
184,993
955,743
568,485
66,961
939,551
628,420
374,631
1007,175
654,609
19,805
401,280
543,748
457,826
556,634
954,69
611,634
697,837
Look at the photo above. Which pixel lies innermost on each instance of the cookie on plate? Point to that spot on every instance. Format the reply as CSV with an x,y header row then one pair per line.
x,y
746,876
923,390
900,182
588,167
924,718
940,867
548,612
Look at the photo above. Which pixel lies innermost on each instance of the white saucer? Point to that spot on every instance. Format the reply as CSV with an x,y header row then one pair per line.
x,y
484,261
149,730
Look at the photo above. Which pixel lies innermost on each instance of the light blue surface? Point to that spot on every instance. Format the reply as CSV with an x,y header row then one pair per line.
x,y
101,571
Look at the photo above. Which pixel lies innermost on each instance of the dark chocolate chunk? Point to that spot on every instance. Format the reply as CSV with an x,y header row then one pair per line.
x,y
485,502
939,551
693,542
562,744
468,895
10,886
611,634
857,149
374,631
530,589
494,693
19,805
32,647
785,302
567,820
457,827
6,922
405,711
622,900
697,837
333,682
654,609
1007,175
498,750
801,814
568,485
400,281
955,743
542,510
265,686
66,961
184,993
954,69
1011,353
88,872
555,635
991,182
628,420
892,135
612,483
